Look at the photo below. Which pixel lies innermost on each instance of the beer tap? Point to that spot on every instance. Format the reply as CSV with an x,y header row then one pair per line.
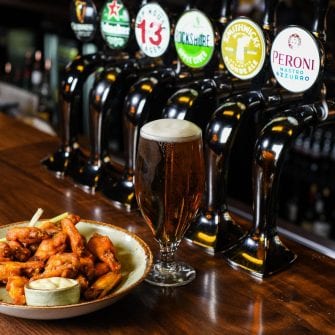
x,y
84,22
144,102
75,75
261,253
214,228
106,102
216,84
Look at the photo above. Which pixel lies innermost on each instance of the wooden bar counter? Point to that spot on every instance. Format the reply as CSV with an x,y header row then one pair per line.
x,y
300,300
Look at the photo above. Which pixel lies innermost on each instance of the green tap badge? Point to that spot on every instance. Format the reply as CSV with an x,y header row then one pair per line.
x,y
115,24
194,39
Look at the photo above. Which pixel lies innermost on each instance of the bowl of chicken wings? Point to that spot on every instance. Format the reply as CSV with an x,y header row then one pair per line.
x,y
106,261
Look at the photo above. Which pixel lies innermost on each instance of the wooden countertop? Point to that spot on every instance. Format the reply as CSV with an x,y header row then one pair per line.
x,y
300,300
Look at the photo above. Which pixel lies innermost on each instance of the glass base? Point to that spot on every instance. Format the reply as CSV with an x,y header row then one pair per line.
x,y
175,274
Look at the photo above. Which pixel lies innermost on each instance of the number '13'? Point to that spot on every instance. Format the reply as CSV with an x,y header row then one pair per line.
x,y
155,30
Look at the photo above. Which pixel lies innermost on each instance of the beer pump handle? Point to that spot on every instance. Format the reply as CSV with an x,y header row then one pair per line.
x,y
225,12
75,75
319,21
190,4
98,97
261,253
68,155
219,138
269,18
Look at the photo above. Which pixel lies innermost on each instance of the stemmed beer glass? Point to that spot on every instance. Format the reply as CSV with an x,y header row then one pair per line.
x,y
169,183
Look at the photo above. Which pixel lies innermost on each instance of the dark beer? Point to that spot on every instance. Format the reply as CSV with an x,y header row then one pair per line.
x,y
169,179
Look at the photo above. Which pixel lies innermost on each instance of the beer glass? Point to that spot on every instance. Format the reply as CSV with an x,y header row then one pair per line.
x,y
169,183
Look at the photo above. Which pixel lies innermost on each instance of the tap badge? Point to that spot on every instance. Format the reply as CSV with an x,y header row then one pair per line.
x,y
115,24
295,59
152,30
194,39
84,17
243,48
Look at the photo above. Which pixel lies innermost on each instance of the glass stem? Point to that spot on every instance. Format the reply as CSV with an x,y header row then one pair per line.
x,y
167,256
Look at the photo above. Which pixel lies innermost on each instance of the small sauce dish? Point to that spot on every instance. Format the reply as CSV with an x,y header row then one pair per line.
x,y
54,291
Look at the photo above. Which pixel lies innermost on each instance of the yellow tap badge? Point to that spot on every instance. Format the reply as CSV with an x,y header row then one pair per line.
x,y
243,48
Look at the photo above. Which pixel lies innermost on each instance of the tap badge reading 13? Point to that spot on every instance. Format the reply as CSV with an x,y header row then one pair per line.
x,y
295,59
152,30
115,24
243,48
194,39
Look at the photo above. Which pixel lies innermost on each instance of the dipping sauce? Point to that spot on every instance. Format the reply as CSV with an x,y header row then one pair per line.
x,y
54,291
52,283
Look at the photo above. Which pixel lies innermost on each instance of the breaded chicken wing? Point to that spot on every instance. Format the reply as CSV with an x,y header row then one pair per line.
x,y
11,268
51,246
102,286
26,235
15,288
77,241
61,265
102,247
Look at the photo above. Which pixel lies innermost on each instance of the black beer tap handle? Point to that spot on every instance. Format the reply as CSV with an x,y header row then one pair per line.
x,y
319,27
269,18
75,74
261,253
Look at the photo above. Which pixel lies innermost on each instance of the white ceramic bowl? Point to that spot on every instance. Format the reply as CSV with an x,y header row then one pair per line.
x,y
136,260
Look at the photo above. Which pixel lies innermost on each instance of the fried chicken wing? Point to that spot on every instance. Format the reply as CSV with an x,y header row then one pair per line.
x,y
77,242
100,269
102,247
15,288
19,252
51,246
11,268
87,267
83,282
61,265
102,286
50,228
5,250
26,235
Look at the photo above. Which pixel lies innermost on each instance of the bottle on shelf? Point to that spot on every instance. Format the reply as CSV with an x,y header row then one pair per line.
x,y
37,72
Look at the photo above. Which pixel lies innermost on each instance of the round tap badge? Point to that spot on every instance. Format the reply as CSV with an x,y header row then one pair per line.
x,y
243,48
295,59
84,19
115,24
194,39
152,30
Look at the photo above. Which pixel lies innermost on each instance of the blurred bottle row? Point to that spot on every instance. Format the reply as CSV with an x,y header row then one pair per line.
x,y
35,45
308,187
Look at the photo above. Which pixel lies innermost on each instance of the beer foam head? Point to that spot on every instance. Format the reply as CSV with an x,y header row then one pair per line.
x,y
170,130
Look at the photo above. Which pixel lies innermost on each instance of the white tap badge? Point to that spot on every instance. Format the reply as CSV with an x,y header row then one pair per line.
x,y
152,30
295,59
